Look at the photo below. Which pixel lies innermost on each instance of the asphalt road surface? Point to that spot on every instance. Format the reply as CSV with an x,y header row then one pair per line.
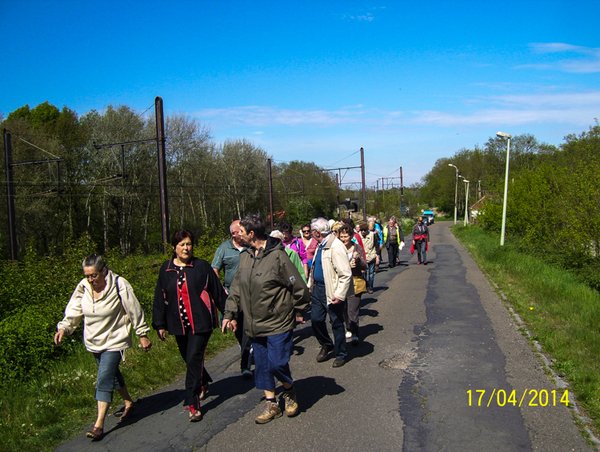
x,y
430,334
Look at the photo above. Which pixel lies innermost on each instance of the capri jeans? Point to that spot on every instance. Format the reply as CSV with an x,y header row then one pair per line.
x,y
109,376
272,359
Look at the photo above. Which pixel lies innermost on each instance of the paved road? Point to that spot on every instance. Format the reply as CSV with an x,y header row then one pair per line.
x,y
430,334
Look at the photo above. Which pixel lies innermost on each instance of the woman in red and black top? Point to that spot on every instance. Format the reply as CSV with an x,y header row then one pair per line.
x,y
187,296
421,240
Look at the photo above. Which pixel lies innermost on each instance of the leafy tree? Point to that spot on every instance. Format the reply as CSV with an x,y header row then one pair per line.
x,y
304,191
243,171
23,112
44,115
44,205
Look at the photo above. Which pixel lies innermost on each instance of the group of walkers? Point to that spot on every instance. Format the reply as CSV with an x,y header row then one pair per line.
x,y
270,282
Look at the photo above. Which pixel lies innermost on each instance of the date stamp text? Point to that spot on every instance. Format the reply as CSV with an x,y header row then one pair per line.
x,y
530,397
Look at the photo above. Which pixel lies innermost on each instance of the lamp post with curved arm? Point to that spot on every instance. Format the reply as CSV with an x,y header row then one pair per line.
x,y
503,230
455,191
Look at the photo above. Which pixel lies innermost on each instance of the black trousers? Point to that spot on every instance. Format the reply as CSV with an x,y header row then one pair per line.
x,y
392,254
192,348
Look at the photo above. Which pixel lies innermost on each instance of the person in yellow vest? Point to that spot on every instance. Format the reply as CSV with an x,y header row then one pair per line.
x,y
392,236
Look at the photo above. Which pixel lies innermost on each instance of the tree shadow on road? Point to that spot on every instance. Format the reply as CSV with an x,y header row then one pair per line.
x,y
312,389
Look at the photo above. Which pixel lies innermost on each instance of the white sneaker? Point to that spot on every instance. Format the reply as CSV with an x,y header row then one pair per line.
x,y
348,334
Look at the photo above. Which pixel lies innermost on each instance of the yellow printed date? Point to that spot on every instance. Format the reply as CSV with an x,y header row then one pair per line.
x,y
530,397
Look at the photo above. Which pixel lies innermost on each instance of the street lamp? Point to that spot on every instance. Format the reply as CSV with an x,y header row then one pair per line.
x,y
503,230
455,190
466,201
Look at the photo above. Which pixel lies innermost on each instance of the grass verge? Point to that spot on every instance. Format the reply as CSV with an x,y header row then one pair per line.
x,y
47,409
562,313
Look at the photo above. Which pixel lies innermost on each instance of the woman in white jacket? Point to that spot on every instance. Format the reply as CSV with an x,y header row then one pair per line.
x,y
107,305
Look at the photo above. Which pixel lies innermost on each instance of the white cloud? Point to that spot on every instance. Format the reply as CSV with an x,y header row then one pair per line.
x,y
261,116
577,109
578,59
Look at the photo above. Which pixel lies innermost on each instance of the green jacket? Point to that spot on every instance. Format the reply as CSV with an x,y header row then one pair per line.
x,y
269,290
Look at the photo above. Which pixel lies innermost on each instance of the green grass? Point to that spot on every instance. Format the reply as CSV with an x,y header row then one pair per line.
x,y
561,312
47,409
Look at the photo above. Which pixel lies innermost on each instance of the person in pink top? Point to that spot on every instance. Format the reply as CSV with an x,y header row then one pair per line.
x,y
296,244
309,243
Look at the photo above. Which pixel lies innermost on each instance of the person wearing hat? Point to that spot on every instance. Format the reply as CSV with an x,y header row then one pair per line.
x,y
421,240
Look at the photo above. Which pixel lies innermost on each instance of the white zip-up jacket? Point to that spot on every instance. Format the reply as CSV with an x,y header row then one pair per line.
x,y
336,270
108,320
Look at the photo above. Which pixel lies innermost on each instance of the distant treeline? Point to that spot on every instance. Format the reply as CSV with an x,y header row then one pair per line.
x,y
553,196
112,194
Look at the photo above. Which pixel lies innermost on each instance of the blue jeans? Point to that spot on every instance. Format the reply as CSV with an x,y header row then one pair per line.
x,y
318,316
272,360
109,377
370,274
421,246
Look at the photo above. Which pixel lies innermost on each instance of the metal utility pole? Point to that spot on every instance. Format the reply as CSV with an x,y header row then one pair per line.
x,y
455,191
402,205
10,188
337,186
364,187
10,196
162,168
270,192
339,180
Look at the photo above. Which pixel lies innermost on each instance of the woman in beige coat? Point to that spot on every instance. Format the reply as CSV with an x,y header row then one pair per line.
x,y
107,305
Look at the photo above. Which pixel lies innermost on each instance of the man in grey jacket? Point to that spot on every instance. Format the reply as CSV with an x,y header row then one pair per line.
x,y
330,283
272,295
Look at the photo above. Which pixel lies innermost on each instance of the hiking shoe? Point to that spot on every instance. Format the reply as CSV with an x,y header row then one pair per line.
x,y
338,362
272,411
291,405
195,415
322,356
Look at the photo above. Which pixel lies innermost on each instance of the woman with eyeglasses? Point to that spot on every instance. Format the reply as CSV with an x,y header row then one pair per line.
x,y
310,244
110,311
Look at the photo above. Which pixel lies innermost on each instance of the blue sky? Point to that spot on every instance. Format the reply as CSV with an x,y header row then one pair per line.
x,y
411,82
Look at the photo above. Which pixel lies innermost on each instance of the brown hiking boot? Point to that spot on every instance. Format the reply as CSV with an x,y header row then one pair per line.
x,y
271,412
291,405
